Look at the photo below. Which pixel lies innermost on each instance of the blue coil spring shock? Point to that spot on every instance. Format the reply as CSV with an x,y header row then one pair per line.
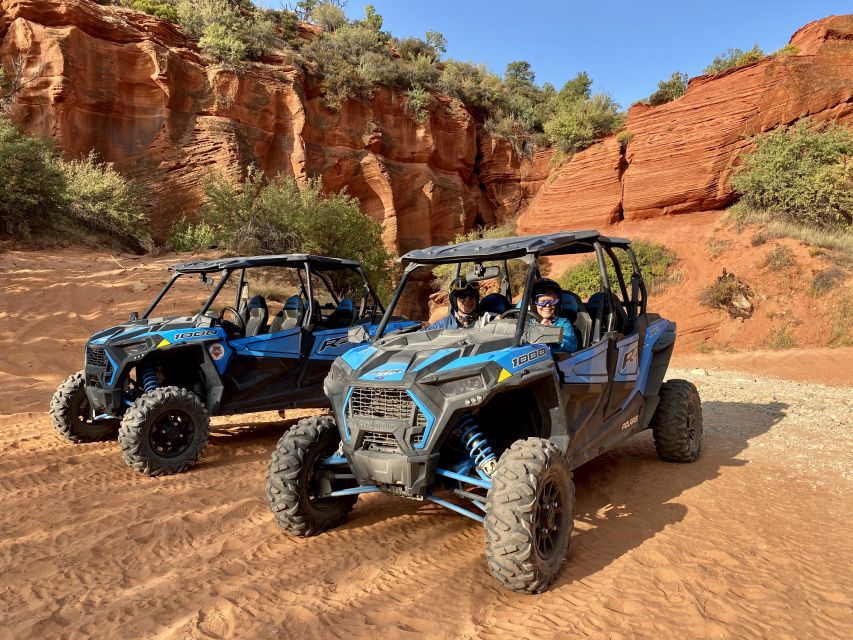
x,y
478,447
149,378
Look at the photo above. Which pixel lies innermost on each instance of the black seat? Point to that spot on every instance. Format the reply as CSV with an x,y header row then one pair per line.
x,y
573,309
290,315
494,303
342,316
257,313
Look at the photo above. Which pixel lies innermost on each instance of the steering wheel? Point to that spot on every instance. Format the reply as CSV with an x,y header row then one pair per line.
x,y
510,313
238,321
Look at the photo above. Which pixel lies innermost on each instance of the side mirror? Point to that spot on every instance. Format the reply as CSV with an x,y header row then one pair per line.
x,y
134,316
541,334
358,334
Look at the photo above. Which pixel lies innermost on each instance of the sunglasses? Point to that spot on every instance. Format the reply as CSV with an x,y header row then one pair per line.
x,y
462,296
546,303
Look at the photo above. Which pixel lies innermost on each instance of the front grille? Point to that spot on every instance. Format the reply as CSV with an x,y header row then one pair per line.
x,y
420,418
96,357
417,439
379,441
379,402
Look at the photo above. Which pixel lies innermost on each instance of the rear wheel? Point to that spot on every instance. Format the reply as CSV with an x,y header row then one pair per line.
x,y
297,480
677,423
529,516
164,431
71,413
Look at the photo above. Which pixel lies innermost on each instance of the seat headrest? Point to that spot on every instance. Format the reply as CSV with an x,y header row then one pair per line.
x,y
293,303
493,303
345,305
257,302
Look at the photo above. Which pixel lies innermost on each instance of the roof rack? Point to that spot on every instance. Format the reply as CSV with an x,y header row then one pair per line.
x,y
285,260
551,244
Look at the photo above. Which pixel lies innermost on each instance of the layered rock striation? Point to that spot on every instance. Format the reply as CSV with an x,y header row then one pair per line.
x,y
137,91
678,157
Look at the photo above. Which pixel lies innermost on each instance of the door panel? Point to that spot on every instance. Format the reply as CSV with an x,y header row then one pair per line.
x,y
263,371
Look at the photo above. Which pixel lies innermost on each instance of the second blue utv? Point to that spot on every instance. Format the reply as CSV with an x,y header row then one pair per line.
x,y
261,334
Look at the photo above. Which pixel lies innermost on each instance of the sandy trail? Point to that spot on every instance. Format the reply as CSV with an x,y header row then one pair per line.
x,y
750,541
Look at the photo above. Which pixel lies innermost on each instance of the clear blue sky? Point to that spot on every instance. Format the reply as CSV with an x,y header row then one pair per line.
x,y
625,46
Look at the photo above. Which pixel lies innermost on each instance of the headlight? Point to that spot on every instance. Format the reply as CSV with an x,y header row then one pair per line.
x,y
136,348
461,386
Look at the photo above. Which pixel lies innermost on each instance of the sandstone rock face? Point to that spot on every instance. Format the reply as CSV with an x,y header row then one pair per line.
x,y
681,154
137,91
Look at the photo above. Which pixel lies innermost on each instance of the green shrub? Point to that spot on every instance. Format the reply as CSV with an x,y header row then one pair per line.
x,y
226,32
578,123
280,217
223,44
734,58
802,174
185,236
102,200
158,8
656,263
329,16
418,103
33,190
351,61
788,50
669,90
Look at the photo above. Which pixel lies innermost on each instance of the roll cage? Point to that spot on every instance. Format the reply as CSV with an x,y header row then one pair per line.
x,y
529,249
305,266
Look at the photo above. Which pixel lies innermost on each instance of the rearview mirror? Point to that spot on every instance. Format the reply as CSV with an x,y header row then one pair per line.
x,y
541,334
357,335
482,273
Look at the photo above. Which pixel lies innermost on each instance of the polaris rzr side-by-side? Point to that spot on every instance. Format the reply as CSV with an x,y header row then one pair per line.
x,y
153,382
490,420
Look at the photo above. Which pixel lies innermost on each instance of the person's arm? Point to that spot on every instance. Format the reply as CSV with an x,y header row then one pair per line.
x,y
570,341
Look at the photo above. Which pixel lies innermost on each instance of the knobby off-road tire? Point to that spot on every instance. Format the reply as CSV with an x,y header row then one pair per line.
x,y
71,414
529,516
164,431
677,423
293,483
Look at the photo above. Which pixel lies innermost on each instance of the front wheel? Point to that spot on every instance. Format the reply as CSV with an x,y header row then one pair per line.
x,y
71,413
164,431
298,483
529,516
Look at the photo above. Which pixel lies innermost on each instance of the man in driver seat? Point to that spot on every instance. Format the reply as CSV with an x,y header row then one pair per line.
x,y
547,298
464,298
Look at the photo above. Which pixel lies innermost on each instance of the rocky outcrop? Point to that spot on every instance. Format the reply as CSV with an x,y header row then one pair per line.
x,y
680,155
136,91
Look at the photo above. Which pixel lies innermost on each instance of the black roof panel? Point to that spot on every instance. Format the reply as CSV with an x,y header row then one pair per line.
x,y
287,260
563,242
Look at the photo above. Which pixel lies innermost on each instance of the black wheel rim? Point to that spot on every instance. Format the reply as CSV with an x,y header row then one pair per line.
x,y
171,434
549,518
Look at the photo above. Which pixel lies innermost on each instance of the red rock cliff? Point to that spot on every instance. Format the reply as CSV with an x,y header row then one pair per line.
x,y
680,155
137,91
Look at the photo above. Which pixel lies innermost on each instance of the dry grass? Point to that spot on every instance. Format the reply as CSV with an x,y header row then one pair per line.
x,y
779,258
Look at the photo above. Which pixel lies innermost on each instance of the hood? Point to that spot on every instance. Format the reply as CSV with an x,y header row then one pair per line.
x,y
426,356
138,330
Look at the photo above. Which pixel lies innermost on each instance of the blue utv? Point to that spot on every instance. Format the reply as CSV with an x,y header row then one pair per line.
x,y
489,421
154,382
